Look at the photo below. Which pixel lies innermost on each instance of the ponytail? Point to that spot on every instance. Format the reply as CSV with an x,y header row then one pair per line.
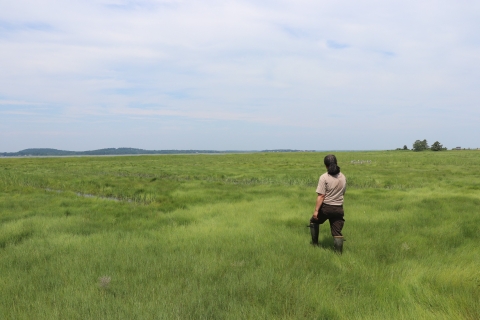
x,y
330,162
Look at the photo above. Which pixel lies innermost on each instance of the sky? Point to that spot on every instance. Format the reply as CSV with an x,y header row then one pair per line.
x,y
238,74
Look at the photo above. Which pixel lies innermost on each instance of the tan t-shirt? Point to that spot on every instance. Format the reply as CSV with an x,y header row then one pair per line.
x,y
333,187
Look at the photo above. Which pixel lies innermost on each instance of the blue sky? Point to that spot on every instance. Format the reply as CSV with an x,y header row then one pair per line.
x,y
238,75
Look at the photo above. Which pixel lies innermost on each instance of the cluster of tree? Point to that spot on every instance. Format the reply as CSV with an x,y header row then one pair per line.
x,y
423,145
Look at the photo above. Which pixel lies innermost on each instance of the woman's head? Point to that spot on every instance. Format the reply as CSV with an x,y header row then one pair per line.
x,y
331,164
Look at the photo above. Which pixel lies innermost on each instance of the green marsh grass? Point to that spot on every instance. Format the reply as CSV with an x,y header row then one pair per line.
x,y
225,237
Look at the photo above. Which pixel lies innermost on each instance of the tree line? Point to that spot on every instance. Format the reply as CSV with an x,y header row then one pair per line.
x,y
422,145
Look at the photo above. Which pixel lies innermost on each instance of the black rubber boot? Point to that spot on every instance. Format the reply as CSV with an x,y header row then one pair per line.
x,y
338,244
314,231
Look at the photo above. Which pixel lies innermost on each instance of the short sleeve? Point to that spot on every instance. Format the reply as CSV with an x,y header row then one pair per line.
x,y
321,188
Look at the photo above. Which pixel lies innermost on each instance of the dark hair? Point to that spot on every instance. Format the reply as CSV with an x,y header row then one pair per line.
x,y
331,163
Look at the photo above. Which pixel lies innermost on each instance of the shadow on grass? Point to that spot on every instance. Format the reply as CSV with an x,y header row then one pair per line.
x,y
325,243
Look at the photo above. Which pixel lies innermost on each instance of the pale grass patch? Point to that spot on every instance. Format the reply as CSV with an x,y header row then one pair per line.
x,y
104,282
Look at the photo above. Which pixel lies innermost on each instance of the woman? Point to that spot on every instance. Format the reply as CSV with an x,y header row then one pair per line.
x,y
330,190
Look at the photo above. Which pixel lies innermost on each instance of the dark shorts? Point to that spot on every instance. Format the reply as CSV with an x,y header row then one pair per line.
x,y
334,214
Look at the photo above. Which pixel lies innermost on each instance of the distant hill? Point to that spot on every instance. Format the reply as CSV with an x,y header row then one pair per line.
x,y
45,152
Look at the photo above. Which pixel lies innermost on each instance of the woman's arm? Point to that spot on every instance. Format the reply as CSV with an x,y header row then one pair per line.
x,y
320,199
